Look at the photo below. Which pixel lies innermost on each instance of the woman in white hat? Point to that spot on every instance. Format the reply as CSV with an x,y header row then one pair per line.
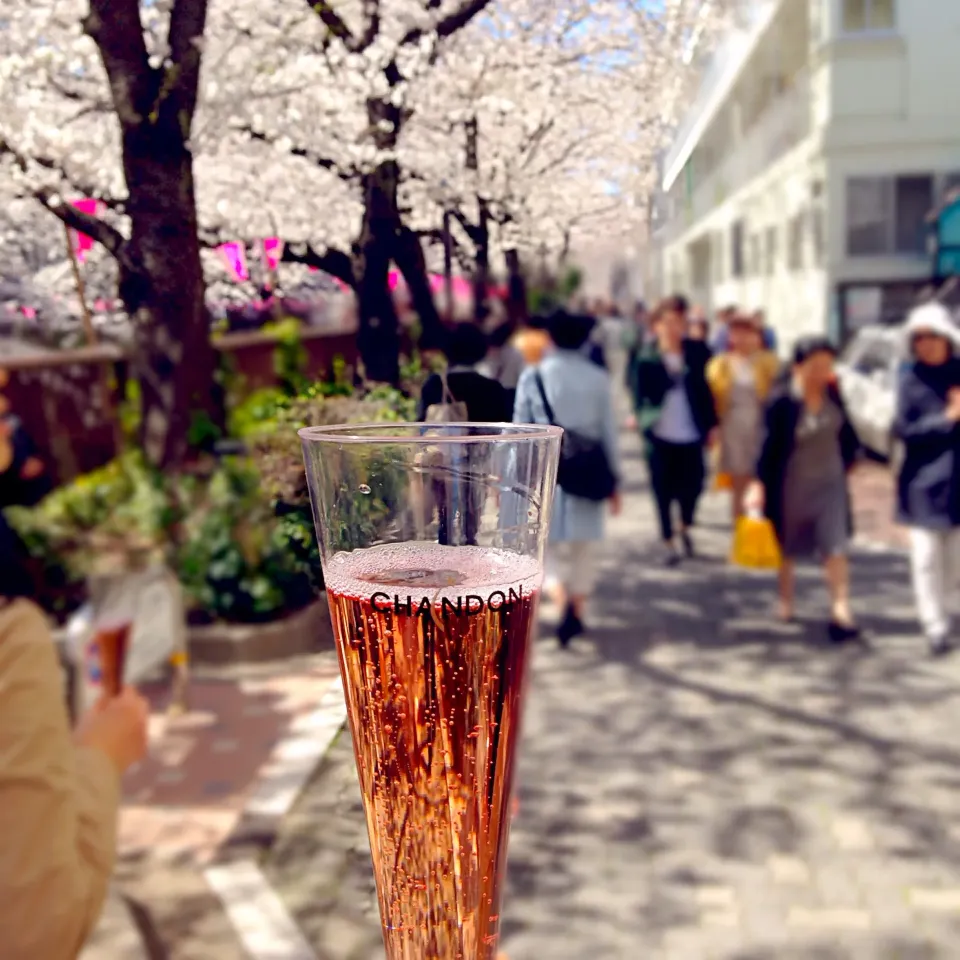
x,y
928,487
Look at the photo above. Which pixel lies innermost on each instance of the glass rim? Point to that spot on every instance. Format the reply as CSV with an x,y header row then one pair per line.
x,y
469,432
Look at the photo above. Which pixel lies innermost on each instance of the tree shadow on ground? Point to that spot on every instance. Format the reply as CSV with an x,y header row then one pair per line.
x,y
713,774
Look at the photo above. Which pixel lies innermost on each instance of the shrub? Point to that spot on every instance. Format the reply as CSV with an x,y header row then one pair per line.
x,y
238,533
238,561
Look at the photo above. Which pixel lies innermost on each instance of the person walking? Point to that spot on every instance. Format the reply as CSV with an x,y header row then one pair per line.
x,y
461,393
676,418
698,326
503,362
486,400
809,449
741,380
928,484
532,340
720,335
567,389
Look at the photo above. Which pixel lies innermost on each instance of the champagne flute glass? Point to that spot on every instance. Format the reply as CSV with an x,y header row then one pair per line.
x,y
432,539
112,634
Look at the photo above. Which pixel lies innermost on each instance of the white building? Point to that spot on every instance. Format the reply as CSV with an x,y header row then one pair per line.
x,y
801,178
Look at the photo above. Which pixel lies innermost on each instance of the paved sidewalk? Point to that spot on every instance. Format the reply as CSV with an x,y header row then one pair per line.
x,y
187,796
185,802
698,781
874,499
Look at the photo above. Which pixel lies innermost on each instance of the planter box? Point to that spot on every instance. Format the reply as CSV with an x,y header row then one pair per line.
x,y
306,631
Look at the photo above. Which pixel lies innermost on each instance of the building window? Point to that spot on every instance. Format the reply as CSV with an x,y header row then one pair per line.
x,y
868,216
719,248
736,250
863,16
770,251
755,259
949,183
914,199
795,238
887,215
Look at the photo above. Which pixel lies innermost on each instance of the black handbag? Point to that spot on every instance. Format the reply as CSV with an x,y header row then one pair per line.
x,y
584,469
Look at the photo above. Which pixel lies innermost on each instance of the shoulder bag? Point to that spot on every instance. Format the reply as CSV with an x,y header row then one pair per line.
x,y
584,469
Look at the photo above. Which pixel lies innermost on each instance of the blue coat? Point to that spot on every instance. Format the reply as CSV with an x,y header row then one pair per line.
x,y
928,488
580,393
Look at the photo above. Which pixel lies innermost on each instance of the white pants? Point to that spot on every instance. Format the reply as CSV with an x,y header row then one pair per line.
x,y
574,566
935,565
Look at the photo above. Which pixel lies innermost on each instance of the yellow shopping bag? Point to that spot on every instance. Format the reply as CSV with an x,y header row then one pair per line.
x,y
755,544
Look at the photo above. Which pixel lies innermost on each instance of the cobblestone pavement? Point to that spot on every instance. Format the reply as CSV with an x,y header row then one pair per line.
x,y
700,782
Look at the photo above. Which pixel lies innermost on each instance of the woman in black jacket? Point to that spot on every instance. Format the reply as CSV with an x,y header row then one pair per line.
x,y
928,486
808,450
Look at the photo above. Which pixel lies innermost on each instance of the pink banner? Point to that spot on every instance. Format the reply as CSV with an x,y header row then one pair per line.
x,y
235,256
273,251
81,242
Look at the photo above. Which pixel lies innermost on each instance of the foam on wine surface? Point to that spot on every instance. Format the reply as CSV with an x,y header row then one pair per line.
x,y
436,568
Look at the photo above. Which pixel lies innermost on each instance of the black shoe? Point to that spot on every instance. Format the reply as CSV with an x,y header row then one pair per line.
x,y
842,632
940,646
571,626
671,556
687,542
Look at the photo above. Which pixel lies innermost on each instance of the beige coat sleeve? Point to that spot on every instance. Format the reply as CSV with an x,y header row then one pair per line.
x,y
58,803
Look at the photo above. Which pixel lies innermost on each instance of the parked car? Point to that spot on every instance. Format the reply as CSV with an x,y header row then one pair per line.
x,y
867,375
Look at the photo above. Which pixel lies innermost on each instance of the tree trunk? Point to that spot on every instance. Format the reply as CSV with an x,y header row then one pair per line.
x,y
378,339
481,273
408,256
516,289
164,293
385,239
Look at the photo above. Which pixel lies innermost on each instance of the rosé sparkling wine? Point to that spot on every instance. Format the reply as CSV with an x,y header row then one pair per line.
x,y
113,640
433,643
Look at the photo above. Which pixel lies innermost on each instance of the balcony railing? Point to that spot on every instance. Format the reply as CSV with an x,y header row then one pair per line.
x,y
729,59
782,126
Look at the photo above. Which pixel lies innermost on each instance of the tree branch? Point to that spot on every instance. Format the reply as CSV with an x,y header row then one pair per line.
x,y
347,175
187,22
371,23
116,28
451,23
472,231
338,28
100,231
116,204
335,262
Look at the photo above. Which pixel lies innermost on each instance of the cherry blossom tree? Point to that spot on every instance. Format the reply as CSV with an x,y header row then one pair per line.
x,y
337,82
98,101
557,112
346,127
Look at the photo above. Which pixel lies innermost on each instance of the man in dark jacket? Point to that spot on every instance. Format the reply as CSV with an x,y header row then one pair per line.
x,y
486,400
928,487
676,419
